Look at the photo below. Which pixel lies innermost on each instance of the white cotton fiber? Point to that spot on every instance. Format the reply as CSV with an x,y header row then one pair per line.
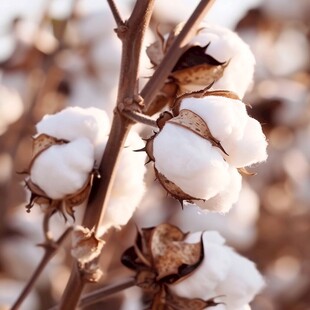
x,y
226,45
63,169
75,122
190,162
224,274
129,186
223,201
240,135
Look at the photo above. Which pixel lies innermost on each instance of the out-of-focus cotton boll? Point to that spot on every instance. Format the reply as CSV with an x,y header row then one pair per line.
x,y
231,11
74,122
63,169
227,46
237,227
190,162
10,289
240,135
129,187
223,273
11,107
286,9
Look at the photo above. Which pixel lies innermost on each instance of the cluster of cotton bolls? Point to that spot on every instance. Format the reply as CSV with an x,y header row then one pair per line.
x,y
63,169
203,147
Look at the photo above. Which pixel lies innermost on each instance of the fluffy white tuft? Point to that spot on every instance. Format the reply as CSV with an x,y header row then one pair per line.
x,y
190,162
63,169
226,45
75,122
223,273
240,135
223,201
129,186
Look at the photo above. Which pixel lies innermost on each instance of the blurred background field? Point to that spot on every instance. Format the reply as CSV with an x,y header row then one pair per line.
x,y
64,52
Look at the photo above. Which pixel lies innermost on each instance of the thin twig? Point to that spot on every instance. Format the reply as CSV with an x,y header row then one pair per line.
x,y
140,118
105,291
173,54
50,251
116,14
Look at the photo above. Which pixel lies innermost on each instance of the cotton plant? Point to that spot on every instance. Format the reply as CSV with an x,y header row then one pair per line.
x,y
202,144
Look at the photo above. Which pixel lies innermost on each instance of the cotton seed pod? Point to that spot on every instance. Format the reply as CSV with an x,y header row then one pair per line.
x,y
161,257
65,204
194,70
191,124
86,248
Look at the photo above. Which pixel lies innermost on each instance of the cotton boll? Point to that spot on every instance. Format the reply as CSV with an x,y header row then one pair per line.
x,y
222,273
225,199
75,122
190,162
129,187
63,169
225,46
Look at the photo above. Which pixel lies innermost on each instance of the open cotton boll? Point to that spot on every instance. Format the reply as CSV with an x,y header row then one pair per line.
x,y
225,46
223,201
63,169
214,268
75,122
129,187
222,273
240,135
190,162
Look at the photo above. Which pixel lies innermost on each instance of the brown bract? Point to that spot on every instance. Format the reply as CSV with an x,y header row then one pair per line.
x,y
86,248
65,205
194,70
160,257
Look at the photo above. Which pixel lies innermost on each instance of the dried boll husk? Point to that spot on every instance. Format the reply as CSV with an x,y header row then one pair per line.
x,y
194,70
161,257
65,205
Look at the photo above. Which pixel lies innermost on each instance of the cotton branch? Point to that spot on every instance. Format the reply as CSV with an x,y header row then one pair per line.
x,y
131,34
131,37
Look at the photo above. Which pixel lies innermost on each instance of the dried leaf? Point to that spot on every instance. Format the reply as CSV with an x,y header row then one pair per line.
x,y
192,121
222,93
171,254
195,56
244,172
165,97
155,53
86,247
173,189
163,118
42,143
